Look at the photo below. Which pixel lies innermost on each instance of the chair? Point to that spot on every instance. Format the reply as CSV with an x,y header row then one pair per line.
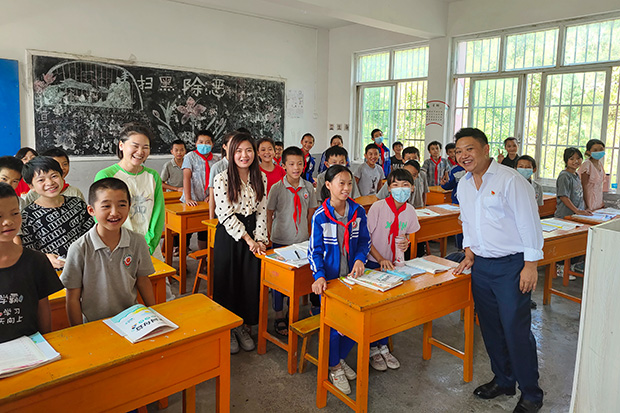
x,y
202,256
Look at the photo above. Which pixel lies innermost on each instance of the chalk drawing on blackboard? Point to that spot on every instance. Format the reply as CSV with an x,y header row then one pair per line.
x,y
81,103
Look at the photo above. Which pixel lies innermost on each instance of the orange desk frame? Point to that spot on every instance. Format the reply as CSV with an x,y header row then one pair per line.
x,y
437,195
548,208
437,227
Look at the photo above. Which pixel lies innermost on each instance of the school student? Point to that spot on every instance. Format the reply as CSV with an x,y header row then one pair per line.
x,y
451,154
11,173
241,208
336,140
396,161
54,221
510,160
273,172
277,159
339,244
503,242
147,213
217,168
411,153
569,191
416,197
25,154
290,206
172,172
196,170
307,142
435,168
109,265
62,158
592,174
384,153
369,174
526,166
26,277
336,155
390,222
454,176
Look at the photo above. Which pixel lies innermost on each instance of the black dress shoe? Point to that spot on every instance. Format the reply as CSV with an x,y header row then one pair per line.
x,y
527,406
491,390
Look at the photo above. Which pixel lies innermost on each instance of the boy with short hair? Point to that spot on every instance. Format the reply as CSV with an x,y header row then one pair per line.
x,y
109,264
451,153
335,155
290,206
435,168
26,277
54,221
11,173
384,153
172,173
369,175
411,153
526,166
62,158
196,169
512,149
279,148
397,160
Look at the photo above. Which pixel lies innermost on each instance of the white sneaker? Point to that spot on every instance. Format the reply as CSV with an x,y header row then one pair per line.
x,y
348,371
339,378
245,341
376,360
572,277
391,361
234,344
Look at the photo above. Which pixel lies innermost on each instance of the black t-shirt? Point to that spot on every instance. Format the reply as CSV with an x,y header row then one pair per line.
x,y
22,285
396,163
512,163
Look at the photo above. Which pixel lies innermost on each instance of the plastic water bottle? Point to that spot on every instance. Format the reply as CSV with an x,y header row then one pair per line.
x,y
399,259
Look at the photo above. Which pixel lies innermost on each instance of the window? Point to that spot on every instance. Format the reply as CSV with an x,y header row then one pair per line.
x,y
392,94
552,87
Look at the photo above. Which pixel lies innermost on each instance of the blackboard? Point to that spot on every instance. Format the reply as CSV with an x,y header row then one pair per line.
x,y
81,104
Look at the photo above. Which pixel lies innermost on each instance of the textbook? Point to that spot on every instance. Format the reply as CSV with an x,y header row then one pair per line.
x,y
139,323
608,211
406,272
425,212
295,255
25,353
551,224
427,266
376,280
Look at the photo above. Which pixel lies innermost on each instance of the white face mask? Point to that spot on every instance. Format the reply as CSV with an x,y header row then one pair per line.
x,y
401,195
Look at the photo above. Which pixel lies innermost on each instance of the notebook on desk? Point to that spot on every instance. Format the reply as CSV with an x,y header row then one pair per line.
x,y
25,353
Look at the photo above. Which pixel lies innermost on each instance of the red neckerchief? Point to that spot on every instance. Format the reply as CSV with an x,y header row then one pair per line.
x,y
207,167
394,227
65,186
305,162
452,162
382,150
346,227
277,161
436,168
296,202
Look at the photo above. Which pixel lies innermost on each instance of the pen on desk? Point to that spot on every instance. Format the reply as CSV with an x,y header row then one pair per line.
x,y
296,253
348,286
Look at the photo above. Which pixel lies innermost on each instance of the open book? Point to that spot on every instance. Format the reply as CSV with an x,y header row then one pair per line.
x,y
424,265
139,323
377,280
295,255
25,353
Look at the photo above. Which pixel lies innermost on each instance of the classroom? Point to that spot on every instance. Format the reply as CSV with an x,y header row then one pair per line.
x,y
546,73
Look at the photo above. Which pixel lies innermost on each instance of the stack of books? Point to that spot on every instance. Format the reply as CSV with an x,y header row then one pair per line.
x,y
376,280
295,255
25,353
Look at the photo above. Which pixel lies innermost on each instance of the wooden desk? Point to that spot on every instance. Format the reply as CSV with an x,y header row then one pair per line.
x,y
548,207
172,197
292,282
366,201
561,245
585,220
438,195
158,281
183,219
438,227
101,371
365,315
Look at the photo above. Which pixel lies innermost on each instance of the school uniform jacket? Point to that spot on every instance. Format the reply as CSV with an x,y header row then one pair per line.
x,y
309,169
323,248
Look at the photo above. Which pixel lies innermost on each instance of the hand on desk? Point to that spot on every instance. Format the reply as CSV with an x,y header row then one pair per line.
x,y
466,263
190,202
357,270
584,212
386,265
319,286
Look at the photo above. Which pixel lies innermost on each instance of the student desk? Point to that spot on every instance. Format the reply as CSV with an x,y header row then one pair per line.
x,y
437,195
548,208
211,228
585,220
183,219
292,282
171,197
366,201
438,227
158,280
99,370
561,245
366,315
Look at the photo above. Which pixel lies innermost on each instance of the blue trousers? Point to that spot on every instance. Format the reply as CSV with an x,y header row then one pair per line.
x,y
505,323
384,341
277,298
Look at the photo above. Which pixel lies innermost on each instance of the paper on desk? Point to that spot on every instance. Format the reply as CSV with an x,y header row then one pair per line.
x,y
427,266
608,211
596,216
448,207
425,212
25,353
295,255
551,224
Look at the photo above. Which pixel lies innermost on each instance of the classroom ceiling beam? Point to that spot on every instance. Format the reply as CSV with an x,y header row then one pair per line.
x,y
421,18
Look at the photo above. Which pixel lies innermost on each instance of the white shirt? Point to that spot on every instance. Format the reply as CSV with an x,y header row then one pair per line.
x,y
501,218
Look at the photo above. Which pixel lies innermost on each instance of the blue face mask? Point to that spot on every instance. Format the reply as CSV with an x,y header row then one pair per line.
x,y
401,195
597,155
203,148
379,140
526,172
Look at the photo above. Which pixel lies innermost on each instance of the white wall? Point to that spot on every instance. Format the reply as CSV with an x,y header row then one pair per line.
x,y
162,32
